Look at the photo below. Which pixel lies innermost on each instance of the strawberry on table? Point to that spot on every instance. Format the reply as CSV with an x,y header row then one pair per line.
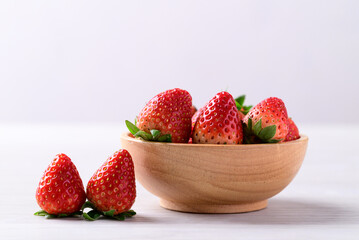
x,y
266,122
60,192
165,118
218,122
112,189
293,132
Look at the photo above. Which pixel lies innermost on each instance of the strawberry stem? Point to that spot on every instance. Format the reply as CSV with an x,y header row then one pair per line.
x,y
155,134
144,135
131,127
47,215
240,104
165,138
257,134
92,215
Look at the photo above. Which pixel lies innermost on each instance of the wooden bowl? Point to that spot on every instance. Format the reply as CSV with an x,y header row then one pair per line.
x,y
209,178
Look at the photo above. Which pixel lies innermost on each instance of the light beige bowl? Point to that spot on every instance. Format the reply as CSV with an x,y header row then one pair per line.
x,y
206,178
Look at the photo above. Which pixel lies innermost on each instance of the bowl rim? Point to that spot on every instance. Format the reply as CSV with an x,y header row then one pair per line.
x,y
128,136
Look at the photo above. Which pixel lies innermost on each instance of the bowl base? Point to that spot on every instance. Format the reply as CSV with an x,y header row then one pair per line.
x,y
213,208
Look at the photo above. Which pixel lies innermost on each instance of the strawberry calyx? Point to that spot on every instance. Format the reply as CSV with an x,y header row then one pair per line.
x,y
47,215
154,135
240,104
257,134
95,214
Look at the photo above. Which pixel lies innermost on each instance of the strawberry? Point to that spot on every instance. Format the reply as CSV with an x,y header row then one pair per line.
x,y
266,122
60,191
194,119
165,118
293,132
112,189
218,122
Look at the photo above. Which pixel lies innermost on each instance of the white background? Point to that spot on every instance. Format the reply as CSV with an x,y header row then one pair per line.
x,y
72,71
100,61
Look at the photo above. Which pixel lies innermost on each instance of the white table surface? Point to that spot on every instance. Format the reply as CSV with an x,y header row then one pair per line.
x,y
322,202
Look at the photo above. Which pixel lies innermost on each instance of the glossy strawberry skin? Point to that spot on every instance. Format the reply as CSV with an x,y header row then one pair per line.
x,y
113,187
170,113
293,132
218,122
195,118
272,111
61,190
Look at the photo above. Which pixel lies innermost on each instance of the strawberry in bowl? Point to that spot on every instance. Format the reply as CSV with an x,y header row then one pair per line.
x,y
239,157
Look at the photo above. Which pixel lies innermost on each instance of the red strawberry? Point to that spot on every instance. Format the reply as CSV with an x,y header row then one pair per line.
x,y
266,122
60,191
293,132
194,119
218,122
169,114
112,189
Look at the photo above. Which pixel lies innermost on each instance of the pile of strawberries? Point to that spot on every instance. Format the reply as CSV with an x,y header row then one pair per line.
x,y
111,191
167,117
171,117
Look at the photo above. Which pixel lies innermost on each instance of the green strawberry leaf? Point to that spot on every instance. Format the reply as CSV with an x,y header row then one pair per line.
x,y
239,104
257,127
131,127
268,132
130,213
257,134
246,109
120,217
109,213
155,134
88,204
274,140
50,216
240,100
89,217
124,215
165,138
144,135
95,214
250,122
61,215
41,213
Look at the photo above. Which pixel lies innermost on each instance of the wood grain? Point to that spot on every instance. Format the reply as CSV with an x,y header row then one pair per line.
x,y
209,178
